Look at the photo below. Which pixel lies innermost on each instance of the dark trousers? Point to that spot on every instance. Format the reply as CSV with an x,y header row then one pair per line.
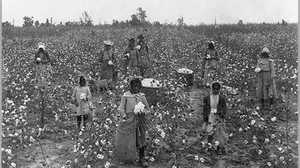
x,y
79,119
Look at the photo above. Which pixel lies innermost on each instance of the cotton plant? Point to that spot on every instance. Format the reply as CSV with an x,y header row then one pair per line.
x,y
110,62
237,67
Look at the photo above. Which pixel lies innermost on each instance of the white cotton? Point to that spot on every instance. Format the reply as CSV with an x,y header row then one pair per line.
x,y
138,47
150,82
82,96
185,71
257,69
139,108
213,110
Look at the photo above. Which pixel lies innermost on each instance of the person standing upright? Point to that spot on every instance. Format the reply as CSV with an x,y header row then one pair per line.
x,y
210,64
143,54
81,97
130,136
214,112
266,87
108,63
132,59
43,65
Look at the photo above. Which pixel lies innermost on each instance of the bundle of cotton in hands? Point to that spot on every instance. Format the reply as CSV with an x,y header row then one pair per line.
x,y
139,108
83,96
110,62
257,69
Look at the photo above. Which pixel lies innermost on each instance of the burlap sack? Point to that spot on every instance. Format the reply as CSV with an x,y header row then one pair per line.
x,y
125,141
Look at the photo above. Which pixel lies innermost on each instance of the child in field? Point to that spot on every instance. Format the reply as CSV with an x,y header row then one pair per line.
x,y
132,59
214,111
210,64
81,97
108,64
130,136
143,54
43,65
266,88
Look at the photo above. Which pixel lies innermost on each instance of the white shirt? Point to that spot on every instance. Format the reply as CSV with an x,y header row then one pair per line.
x,y
214,100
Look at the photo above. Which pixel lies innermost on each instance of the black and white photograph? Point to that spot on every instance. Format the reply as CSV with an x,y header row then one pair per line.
x,y
149,84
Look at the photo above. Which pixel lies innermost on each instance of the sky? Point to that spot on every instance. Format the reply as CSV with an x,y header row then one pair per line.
x,y
193,11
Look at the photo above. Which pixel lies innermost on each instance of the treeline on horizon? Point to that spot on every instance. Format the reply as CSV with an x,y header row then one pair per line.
x,y
35,28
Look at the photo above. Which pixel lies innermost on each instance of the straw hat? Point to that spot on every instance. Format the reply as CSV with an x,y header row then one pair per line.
x,y
108,42
265,50
41,45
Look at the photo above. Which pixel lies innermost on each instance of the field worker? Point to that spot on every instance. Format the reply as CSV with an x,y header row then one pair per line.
x,y
130,137
81,97
43,65
108,63
143,54
132,59
214,111
266,88
210,64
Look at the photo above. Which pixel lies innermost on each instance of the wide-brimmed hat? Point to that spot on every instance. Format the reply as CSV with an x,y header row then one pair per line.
x,y
108,42
265,50
41,45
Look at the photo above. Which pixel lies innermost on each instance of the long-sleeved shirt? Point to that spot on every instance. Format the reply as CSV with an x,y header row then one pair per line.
x,y
207,106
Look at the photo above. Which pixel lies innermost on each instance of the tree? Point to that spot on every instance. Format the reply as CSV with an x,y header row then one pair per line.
x,y
180,21
28,21
134,20
6,24
115,22
141,15
86,19
240,22
284,22
7,30
47,22
36,23
156,23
